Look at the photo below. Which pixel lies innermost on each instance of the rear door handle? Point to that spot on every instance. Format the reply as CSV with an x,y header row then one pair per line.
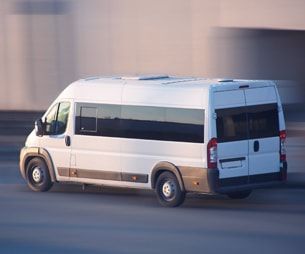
x,y
256,146
67,140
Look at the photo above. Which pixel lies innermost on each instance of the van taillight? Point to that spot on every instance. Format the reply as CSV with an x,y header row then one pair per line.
x,y
212,153
282,145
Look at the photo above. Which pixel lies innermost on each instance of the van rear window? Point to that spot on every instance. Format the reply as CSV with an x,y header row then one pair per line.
x,y
251,122
263,121
231,124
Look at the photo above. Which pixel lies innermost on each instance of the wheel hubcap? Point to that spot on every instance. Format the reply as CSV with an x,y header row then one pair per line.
x,y
169,189
37,174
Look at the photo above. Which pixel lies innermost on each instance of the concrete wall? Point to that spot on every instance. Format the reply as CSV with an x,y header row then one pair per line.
x,y
46,44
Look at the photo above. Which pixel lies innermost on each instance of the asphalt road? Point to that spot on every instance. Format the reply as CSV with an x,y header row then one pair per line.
x,y
69,220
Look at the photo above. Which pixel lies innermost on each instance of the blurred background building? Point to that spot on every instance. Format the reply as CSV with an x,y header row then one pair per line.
x,y
47,44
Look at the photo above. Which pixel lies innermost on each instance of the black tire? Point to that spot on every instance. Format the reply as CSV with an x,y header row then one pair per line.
x,y
174,196
37,175
239,194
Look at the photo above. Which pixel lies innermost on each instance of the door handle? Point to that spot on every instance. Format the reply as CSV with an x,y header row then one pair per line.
x,y
256,146
67,140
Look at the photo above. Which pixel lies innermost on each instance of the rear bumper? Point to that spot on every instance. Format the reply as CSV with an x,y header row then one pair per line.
x,y
208,181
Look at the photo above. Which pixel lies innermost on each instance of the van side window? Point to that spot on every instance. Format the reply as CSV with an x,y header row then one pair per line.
x,y
185,124
57,119
50,121
160,123
62,117
231,124
143,122
140,122
109,120
88,119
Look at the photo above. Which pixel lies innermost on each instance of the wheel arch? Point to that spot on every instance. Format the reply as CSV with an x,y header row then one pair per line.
x,y
164,166
28,153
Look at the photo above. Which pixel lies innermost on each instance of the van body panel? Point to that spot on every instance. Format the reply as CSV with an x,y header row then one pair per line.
x,y
156,96
233,159
232,155
260,95
229,99
280,110
143,155
55,144
97,153
266,159
109,91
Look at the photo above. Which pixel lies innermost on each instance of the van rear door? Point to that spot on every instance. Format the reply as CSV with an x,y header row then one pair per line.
x,y
263,124
231,128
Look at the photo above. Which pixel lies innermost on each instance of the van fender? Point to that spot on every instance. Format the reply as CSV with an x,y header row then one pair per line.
x,y
27,153
166,166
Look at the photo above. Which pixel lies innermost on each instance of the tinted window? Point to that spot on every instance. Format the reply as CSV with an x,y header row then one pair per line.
x,y
109,120
141,122
88,119
263,121
231,124
188,116
143,113
185,125
251,122
159,123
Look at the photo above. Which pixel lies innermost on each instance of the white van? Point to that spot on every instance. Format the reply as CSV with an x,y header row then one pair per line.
x,y
172,135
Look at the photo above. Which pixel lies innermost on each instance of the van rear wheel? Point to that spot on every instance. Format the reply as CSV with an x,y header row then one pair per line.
x,y
239,194
168,190
38,176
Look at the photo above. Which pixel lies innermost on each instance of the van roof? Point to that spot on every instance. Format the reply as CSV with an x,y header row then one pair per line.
x,y
180,88
167,80
147,80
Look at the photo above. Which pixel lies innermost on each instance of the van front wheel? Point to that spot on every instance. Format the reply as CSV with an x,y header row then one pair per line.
x,y
37,175
168,190
239,194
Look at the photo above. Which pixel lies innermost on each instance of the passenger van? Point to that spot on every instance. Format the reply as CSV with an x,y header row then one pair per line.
x,y
172,135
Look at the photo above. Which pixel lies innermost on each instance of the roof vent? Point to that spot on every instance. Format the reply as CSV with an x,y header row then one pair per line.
x,y
225,80
146,77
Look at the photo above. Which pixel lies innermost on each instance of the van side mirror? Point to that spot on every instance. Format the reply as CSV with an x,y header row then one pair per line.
x,y
39,127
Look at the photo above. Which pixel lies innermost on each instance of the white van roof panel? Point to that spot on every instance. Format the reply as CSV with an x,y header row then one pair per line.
x,y
260,95
154,90
228,99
